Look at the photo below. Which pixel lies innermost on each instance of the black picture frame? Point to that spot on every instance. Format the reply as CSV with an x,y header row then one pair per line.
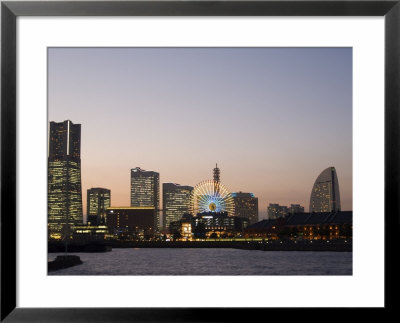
x,y
10,10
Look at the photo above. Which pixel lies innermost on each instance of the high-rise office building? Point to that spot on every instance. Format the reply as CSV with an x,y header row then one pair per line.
x,y
296,208
98,200
276,211
325,192
145,191
64,178
246,206
176,202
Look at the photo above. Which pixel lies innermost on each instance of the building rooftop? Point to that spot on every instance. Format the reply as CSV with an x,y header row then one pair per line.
x,y
242,194
130,208
320,218
142,171
306,219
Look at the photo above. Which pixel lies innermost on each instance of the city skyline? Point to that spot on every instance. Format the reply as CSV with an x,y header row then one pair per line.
x,y
157,120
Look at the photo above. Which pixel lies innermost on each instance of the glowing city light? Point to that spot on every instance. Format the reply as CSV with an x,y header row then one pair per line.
x,y
211,196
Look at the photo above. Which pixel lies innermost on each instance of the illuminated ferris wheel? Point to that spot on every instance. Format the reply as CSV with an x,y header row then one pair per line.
x,y
211,196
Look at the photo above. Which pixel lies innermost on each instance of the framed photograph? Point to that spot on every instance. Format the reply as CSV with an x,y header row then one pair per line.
x,y
197,158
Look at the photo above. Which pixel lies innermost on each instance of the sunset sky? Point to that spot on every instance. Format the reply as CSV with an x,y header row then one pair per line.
x,y
272,118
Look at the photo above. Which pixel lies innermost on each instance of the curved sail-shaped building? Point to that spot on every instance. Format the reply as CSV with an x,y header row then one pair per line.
x,y
325,195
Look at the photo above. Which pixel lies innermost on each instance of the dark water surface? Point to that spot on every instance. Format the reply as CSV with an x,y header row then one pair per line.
x,y
202,261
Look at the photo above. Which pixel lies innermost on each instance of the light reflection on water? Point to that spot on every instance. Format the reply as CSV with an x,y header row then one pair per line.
x,y
202,261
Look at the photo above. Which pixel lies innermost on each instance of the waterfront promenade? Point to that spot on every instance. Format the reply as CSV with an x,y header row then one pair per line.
x,y
314,245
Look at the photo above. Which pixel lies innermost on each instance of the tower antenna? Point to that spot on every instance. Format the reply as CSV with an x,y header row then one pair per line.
x,y
217,173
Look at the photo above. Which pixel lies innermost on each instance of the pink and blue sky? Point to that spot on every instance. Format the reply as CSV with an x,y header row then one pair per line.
x,y
272,118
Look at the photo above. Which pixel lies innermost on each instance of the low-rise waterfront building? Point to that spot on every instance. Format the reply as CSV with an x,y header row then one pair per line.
x,y
321,225
265,229
208,225
130,222
219,224
90,232
305,226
